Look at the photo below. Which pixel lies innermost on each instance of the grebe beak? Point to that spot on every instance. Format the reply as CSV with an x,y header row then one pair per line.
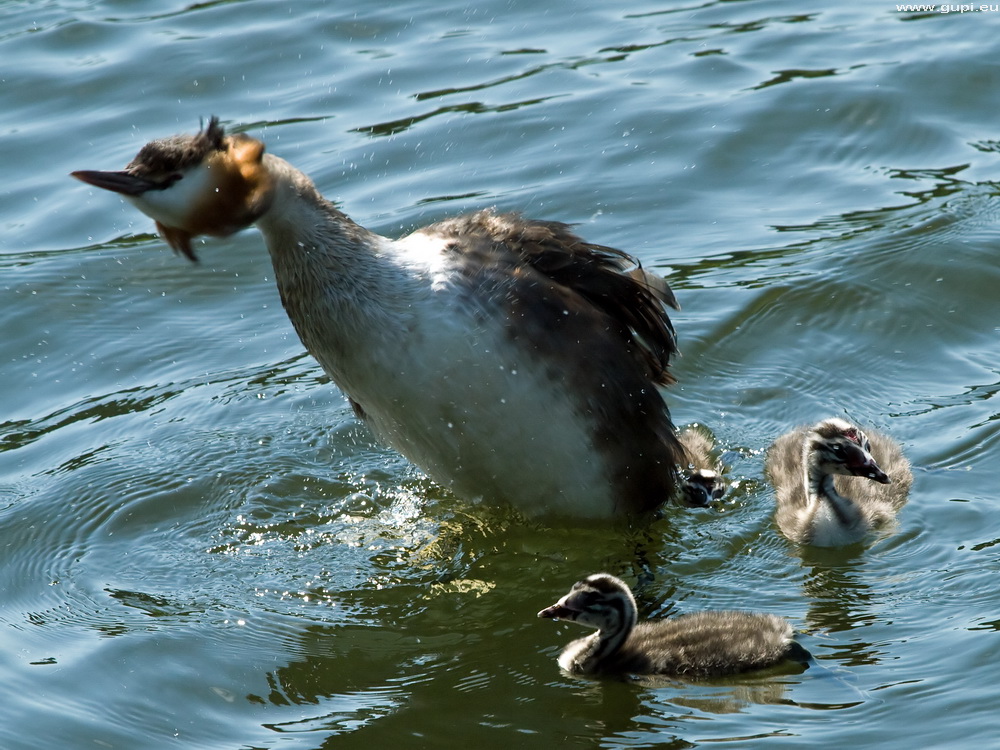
x,y
117,182
556,611
871,470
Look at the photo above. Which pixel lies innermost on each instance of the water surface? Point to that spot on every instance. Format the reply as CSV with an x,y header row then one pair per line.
x,y
202,547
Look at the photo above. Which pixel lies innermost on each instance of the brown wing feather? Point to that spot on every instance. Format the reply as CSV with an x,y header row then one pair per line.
x,y
609,279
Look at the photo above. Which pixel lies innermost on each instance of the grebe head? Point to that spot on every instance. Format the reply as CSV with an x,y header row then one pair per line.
x,y
599,601
701,487
839,447
206,183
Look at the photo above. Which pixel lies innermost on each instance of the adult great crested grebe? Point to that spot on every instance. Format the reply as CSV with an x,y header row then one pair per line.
x,y
508,358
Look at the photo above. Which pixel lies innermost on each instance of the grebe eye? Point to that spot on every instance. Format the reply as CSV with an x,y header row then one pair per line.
x,y
167,181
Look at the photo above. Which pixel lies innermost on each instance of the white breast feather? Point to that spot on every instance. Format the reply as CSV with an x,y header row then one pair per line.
x,y
828,531
501,423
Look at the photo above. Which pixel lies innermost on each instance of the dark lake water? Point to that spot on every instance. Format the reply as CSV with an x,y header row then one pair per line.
x,y
202,548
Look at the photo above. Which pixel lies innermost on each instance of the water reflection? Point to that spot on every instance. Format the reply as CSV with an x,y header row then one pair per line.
x,y
270,577
398,126
19,433
841,600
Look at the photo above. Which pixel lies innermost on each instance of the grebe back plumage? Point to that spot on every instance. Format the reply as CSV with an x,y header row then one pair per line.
x,y
507,358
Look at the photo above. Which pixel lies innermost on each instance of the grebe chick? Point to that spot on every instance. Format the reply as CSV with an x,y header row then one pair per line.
x,y
509,359
704,644
834,484
703,480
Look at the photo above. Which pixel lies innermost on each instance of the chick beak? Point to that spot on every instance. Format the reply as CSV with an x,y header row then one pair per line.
x,y
559,610
870,469
878,475
117,182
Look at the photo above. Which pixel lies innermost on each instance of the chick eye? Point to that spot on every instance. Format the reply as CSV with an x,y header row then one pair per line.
x,y
837,449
